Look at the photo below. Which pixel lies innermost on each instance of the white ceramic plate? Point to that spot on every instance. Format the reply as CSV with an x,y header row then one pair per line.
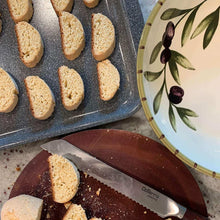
x,y
191,128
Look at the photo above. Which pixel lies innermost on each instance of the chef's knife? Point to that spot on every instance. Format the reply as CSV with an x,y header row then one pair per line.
x,y
122,183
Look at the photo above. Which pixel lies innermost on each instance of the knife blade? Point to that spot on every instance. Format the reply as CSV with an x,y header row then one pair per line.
x,y
142,194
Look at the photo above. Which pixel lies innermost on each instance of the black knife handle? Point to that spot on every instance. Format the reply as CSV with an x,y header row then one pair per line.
x,y
191,215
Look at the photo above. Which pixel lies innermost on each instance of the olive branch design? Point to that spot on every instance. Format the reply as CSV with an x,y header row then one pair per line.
x,y
172,58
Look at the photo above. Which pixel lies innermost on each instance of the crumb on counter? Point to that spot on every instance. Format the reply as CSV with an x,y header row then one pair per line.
x,y
145,212
98,191
67,204
18,169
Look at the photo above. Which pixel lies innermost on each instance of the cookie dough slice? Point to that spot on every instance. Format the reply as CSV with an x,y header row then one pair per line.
x,y
8,92
30,44
91,3
62,5
109,79
72,35
64,178
75,212
71,87
22,207
21,10
103,37
40,96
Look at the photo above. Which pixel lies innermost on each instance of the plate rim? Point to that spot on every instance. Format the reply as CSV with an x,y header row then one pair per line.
x,y
143,98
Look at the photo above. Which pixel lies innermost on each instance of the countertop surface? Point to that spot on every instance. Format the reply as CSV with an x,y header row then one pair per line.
x,y
12,161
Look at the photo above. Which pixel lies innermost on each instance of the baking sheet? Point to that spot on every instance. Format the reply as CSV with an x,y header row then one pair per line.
x,y
19,126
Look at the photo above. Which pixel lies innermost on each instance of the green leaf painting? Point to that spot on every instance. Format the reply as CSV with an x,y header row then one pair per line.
x,y
173,13
157,99
203,25
185,118
174,70
187,112
172,118
151,76
188,27
210,31
155,52
182,60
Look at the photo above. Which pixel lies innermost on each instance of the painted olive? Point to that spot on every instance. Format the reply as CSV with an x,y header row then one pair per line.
x,y
165,56
170,30
166,41
176,94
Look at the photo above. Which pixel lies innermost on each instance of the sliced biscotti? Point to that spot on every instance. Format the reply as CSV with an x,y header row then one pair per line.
x,y
91,3
109,79
103,37
30,44
8,92
71,87
22,207
21,10
95,218
64,178
72,35
40,96
62,5
75,212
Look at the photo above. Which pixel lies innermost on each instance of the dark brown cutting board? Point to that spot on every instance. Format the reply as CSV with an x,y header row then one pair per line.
x,y
134,154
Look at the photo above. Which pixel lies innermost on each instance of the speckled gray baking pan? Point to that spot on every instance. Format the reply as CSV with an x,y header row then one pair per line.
x,y
19,126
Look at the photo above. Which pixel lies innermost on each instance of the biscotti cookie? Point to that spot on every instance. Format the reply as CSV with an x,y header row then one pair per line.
x,y
75,212
30,44
40,96
21,10
71,87
103,37
22,207
109,79
8,92
64,178
95,218
91,3
72,35
62,5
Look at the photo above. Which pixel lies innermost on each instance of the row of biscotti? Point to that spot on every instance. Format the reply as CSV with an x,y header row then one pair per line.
x,y
30,44
42,101
65,182
22,10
